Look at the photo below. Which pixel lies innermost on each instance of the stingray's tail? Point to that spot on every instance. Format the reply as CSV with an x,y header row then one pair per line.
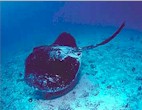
x,y
105,41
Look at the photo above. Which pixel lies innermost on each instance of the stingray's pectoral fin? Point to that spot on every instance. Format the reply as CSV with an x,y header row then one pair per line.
x,y
105,41
65,39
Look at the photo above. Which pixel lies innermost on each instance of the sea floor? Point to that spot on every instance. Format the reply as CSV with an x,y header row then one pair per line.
x,y
111,78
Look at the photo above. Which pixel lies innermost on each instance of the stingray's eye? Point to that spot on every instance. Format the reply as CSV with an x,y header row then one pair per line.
x,y
59,52
78,53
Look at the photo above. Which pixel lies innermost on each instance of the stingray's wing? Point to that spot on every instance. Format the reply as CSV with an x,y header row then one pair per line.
x,y
65,39
105,41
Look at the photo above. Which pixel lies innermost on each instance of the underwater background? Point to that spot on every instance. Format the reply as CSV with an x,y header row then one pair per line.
x,y
111,75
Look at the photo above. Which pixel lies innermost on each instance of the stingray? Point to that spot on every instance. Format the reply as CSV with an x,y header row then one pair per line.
x,y
53,70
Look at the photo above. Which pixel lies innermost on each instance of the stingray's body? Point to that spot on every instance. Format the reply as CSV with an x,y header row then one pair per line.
x,y
53,70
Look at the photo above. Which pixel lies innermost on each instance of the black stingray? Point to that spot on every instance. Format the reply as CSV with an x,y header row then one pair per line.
x,y
53,70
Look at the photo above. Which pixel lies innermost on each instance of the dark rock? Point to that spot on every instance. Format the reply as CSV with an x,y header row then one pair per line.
x,y
104,81
109,86
85,94
94,73
96,93
74,92
92,66
20,74
133,69
64,107
5,88
127,105
139,78
87,73
30,100
139,88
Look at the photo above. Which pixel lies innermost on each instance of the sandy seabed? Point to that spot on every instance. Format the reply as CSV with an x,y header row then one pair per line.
x,y
111,78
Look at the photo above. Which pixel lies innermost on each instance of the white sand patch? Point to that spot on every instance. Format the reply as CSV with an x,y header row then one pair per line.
x,y
111,78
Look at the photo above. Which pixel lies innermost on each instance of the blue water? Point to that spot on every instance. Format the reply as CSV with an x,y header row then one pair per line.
x,y
24,23
110,75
